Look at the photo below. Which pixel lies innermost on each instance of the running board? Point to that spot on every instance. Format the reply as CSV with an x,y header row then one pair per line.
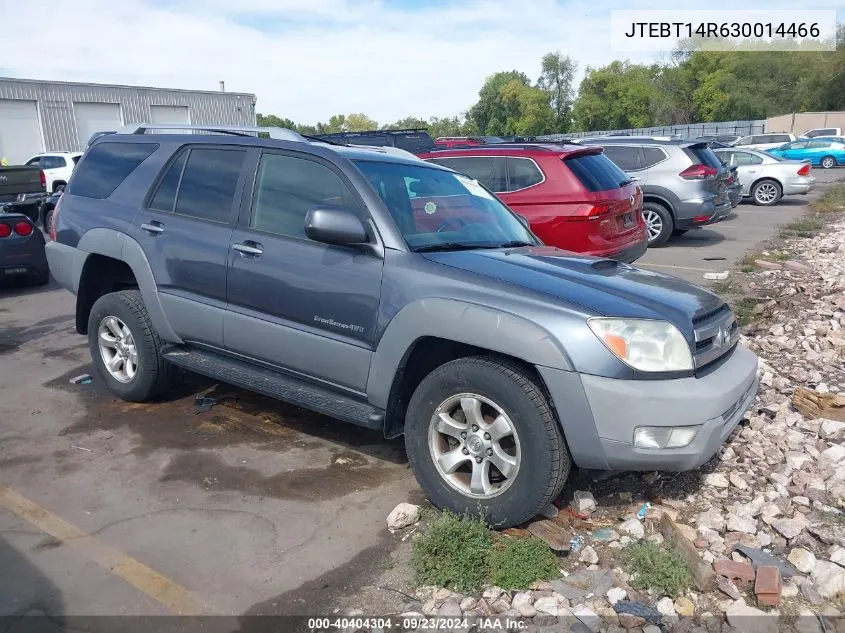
x,y
277,385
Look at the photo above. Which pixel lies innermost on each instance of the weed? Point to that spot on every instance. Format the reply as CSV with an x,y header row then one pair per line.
x,y
833,201
517,562
722,287
654,567
744,310
807,226
453,553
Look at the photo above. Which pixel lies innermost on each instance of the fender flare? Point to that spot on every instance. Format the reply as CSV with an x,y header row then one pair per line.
x,y
461,322
119,246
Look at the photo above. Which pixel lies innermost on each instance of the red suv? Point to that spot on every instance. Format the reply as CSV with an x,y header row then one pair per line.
x,y
574,197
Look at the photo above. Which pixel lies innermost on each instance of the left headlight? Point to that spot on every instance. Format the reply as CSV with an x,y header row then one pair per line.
x,y
644,344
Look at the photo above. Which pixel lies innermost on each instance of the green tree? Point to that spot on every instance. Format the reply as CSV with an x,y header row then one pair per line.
x,y
449,126
271,120
359,122
528,110
490,114
617,96
556,79
408,123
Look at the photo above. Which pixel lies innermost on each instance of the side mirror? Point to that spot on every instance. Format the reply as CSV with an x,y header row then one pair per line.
x,y
523,220
334,226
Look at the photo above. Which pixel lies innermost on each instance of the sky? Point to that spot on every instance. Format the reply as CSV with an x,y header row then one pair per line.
x,y
309,59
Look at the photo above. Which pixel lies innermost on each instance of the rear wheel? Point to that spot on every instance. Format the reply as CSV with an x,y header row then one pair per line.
x,y
766,193
481,437
41,278
828,162
659,223
126,348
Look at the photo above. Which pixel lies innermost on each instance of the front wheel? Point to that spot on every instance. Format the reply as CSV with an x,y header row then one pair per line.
x,y
828,162
126,348
481,438
659,223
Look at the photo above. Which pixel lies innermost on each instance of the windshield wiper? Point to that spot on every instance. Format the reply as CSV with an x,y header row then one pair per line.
x,y
514,244
625,182
446,246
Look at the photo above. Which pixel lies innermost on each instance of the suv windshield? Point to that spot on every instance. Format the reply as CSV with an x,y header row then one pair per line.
x,y
437,209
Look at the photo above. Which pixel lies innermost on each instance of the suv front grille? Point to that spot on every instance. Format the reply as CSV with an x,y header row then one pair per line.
x,y
716,333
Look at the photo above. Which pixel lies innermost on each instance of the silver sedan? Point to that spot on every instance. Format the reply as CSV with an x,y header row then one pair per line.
x,y
766,178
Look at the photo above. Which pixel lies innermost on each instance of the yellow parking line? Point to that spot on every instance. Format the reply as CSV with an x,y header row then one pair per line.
x,y
170,594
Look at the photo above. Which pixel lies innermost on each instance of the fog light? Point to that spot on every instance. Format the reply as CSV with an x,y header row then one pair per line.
x,y
664,436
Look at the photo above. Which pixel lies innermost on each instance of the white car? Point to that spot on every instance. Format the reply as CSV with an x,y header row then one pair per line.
x,y
822,131
57,167
766,178
763,141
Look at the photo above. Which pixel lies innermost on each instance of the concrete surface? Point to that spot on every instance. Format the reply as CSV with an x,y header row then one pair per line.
x,y
715,248
253,507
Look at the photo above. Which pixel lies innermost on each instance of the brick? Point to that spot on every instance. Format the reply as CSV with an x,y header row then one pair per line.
x,y
732,569
768,585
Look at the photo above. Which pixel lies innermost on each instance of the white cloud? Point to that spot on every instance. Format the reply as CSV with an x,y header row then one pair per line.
x,y
309,59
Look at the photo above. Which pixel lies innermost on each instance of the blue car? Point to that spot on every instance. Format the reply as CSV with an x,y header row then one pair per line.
x,y
825,152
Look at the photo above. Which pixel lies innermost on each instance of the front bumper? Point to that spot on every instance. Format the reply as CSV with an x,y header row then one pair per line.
x,y
599,414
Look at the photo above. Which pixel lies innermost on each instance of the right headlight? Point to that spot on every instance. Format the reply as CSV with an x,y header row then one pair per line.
x,y
644,344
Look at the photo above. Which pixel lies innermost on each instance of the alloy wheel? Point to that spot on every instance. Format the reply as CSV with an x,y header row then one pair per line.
x,y
765,193
654,224
474,445
117,348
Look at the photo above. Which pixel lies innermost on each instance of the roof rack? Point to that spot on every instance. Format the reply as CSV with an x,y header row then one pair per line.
x,y
279,133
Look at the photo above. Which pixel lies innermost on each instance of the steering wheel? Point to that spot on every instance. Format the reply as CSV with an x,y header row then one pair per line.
x,y
449,221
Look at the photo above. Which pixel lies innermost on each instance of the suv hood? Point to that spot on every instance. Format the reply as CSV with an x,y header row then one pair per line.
x,y
603,287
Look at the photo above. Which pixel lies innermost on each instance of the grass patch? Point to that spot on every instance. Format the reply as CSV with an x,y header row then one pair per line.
x,y
517,562
833,201
722,287
657,568
807,226
744,310
453,553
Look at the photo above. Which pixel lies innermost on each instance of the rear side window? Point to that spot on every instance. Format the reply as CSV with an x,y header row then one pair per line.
x,y
828,131
778,138
488,170
165,197
375,140
523,173
596,172
818,144
207,187
652,156
627,158
414,143
106,165
76,159
701,154
53,162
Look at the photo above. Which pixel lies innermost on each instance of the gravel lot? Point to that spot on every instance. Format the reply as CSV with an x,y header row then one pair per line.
x,y
250,507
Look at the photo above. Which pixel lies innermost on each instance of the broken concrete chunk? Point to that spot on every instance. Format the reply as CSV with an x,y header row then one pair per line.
x,y
402,516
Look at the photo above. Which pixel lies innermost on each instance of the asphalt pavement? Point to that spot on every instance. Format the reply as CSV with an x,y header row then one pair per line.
x,y
253,506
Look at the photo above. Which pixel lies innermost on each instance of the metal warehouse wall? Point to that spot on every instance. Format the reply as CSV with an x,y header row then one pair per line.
x,y
800,122
55,106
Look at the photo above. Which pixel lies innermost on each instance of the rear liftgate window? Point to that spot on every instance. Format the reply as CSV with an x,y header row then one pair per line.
x,y
106,165
596,171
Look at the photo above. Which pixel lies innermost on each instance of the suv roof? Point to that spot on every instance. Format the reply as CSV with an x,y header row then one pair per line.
x,y
641,140
261,136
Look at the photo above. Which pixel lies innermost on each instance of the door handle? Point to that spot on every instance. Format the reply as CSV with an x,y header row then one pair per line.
x,y
249,248
153,228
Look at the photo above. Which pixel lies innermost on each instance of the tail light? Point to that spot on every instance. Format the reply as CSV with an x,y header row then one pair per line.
x,y
43,179
54,219
5,230
698,172
591,212
804,170
23,229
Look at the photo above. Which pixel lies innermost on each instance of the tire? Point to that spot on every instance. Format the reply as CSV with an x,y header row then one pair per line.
x,y
766,192
536,445
679,232
659,223
152,375
48,218
828,162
